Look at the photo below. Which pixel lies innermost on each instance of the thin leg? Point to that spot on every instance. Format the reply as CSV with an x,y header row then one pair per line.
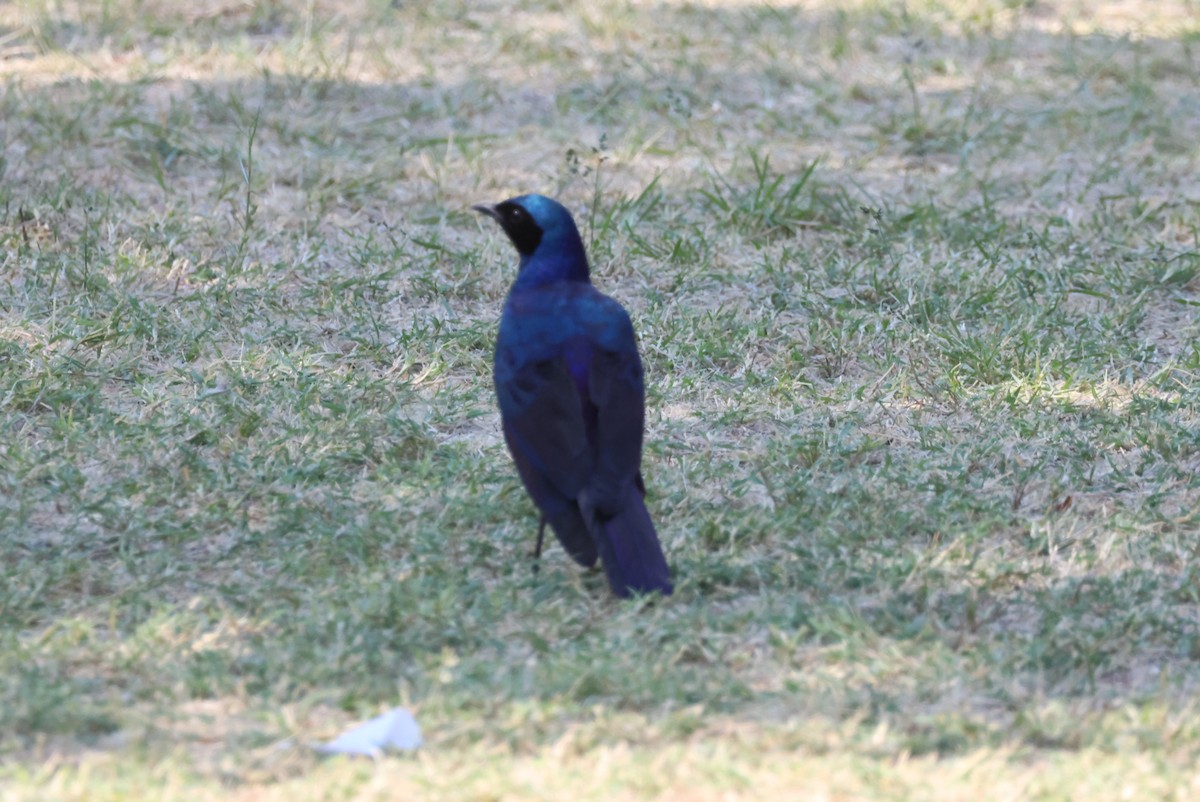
x,y
537,551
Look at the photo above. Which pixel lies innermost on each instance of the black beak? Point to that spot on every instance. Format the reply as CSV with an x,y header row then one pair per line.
x,y
488,209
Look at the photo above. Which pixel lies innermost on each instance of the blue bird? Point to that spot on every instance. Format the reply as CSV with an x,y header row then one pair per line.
x,y
572,400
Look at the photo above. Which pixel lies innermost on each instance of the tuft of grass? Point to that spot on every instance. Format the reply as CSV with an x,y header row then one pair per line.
x,y
772,205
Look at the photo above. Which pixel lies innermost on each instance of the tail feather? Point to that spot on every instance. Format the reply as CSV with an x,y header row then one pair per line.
x,y
629,549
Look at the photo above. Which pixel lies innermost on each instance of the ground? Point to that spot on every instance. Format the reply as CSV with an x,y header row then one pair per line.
x,y
916,287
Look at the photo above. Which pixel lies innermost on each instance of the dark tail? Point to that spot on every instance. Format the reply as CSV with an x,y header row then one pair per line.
x,y
629,548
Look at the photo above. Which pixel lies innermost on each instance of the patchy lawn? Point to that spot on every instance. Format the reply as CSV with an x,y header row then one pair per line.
x,y
918,294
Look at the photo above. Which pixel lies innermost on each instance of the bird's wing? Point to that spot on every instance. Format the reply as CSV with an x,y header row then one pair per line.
x,y
547,437
616,388
612,504
560,511
543,420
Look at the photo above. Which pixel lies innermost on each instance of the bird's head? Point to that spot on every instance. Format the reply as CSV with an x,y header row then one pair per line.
x,y
545,236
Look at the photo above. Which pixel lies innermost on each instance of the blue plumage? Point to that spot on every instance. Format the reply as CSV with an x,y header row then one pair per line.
x,y
572,399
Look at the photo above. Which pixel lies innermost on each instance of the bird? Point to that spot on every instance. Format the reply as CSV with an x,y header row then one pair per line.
x,y
571,392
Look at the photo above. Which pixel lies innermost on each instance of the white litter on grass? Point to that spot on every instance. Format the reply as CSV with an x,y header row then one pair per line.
x,y
394,730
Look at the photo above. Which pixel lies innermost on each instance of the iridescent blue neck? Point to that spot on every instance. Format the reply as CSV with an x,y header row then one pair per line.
x,y
560,256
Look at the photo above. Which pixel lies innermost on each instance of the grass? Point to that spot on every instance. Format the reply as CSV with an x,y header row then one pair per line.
x,y
916,288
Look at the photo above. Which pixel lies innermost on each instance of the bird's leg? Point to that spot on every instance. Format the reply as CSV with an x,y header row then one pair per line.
x,y
537,550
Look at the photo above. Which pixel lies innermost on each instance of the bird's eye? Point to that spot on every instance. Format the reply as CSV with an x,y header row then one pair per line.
x,y
520,226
